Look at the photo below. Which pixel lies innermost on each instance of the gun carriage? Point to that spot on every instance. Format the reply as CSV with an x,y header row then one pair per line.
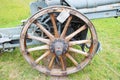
x,y
59,38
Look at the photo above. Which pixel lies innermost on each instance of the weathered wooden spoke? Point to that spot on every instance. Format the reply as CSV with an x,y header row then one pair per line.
x,y
47,41
51,62
44,30
44,47
42,56
62,63
72,59
75,33
66,27
52,16
78,51
71,43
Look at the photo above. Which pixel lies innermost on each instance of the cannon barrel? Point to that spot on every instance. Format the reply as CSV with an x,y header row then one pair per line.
x,y
84,3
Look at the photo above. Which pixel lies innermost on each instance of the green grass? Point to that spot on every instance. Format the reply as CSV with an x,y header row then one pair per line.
x,y
14,67
13,11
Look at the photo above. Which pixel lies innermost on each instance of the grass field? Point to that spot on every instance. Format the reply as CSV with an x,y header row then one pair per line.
x,y
104,66
13,11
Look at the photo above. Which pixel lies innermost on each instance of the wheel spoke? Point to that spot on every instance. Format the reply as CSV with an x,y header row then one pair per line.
x,y
78,51
75,33
43,56
47,41
51,62
44,30
62,63
66,27
72,59
71,43
38,48
54,25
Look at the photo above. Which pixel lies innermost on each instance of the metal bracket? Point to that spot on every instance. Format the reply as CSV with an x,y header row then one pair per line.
x,y
3,40
118,12
70,4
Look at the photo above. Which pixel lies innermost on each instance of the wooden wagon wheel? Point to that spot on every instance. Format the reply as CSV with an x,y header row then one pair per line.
x,y
60,46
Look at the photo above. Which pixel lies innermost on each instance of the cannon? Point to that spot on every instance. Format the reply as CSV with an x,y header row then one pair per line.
x,y
59,38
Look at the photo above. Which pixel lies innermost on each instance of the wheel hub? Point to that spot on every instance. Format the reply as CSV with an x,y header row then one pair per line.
x,y
59,47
